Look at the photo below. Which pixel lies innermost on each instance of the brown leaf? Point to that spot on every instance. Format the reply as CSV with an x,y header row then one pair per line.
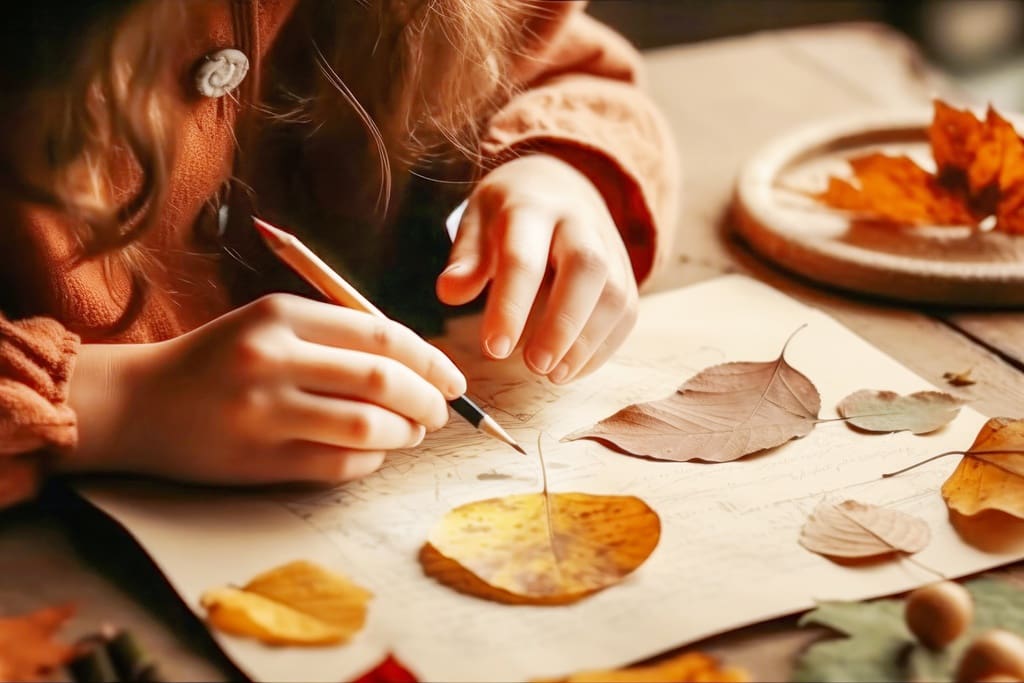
x,y
959,379
857,530
298,603
886,411
690,667
28,651
991,474
723,413
503,549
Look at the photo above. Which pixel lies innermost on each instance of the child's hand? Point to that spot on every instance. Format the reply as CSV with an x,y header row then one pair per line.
x,y
284,389
526,215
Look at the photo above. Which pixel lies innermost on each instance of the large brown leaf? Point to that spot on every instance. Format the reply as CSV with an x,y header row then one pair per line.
x,y
723,413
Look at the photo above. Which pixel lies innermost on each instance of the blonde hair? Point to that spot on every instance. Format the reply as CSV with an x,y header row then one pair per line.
x,y
421,75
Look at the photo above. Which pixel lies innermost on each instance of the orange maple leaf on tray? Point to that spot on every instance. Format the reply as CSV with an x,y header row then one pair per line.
x,y
979,173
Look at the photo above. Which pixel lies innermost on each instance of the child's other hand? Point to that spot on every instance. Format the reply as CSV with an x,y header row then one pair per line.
x,y
526,215
284,389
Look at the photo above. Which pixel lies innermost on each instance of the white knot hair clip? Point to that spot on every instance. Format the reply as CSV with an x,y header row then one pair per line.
x,y
221,72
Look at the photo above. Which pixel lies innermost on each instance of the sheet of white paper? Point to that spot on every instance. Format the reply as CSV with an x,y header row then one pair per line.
x,y
728,554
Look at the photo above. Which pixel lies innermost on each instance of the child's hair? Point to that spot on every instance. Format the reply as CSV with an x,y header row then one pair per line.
x,y
91,80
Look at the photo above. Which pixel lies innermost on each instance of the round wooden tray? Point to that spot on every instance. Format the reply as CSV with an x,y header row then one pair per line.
x,y
935,265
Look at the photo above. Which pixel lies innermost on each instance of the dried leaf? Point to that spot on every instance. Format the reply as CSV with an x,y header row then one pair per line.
x,y
298,603
896,190
503,549
959,379
980,173
991,474
857,530
690,667
723,413
887,411
388,671
28,651
878,647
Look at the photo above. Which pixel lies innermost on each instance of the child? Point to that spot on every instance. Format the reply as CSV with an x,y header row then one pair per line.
x,y
141,135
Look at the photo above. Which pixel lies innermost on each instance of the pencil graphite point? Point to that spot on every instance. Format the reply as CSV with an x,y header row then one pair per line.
x,y
275,237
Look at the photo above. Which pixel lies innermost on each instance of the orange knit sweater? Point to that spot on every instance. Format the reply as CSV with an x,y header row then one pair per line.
x,y
580,101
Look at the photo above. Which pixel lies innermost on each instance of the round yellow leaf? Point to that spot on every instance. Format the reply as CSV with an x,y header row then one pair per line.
x,y
504,549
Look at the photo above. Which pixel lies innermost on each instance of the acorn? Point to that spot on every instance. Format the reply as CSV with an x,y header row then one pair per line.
x,y
939,613
994,655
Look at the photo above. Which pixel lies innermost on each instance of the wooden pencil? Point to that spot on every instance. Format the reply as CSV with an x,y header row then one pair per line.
x,y
312,268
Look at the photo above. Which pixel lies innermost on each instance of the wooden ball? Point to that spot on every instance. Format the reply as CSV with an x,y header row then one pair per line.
x,y
939,613
993,653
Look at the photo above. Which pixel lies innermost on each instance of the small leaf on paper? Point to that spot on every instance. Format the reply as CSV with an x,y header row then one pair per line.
x,y
28,651
689,667
857,530
991,474
720,414
388,671
877,646
299,603
887,411
514,550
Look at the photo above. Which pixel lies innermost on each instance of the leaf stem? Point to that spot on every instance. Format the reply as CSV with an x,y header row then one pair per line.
x,y
921,565
943,455
547,510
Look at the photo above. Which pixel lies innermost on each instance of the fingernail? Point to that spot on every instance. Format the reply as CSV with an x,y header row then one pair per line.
x,y
421,433
499,347
453,268
559,374
541,361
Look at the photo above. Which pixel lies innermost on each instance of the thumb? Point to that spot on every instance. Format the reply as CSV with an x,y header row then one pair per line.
x,y
469,267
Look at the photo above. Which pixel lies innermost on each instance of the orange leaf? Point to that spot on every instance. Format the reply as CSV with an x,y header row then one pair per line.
x,y
980,173
690,667
28,651
954,136
896,190
991,474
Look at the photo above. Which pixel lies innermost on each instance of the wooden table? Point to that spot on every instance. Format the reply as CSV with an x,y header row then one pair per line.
x,y
724,100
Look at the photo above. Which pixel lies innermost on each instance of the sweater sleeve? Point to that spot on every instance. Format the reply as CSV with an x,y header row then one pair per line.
x,y
581,101
36,360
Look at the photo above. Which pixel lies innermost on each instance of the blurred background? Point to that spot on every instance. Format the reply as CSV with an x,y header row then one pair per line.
x,y
978,42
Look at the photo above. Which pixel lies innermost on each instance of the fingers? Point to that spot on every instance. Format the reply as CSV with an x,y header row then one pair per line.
x,y
522,255
343,423
305,461
469,264
370,378
611,344
581,275
343,328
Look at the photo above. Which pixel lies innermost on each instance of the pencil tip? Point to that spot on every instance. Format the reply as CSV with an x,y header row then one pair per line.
x,y
275,236
519,448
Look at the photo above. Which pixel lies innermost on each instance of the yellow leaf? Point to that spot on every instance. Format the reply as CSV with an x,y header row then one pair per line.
x,y
691,667
298,603
991,474
503,549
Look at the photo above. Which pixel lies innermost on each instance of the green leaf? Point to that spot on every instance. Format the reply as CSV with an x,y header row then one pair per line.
x,y
878,646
